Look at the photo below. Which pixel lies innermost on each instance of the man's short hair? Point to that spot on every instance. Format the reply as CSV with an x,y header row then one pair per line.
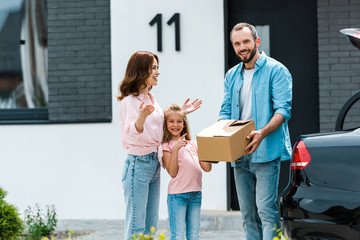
x,y
242,25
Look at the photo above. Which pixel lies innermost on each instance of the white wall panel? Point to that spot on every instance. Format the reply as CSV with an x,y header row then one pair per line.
x,y
77,167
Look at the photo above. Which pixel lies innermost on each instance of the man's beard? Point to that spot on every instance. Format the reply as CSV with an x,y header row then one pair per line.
x,y
252,54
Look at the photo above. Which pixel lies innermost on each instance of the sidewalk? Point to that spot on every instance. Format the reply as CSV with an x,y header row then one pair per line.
x,y
214,225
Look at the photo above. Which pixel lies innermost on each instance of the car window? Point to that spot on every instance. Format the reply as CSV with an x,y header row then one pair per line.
x,y
352,118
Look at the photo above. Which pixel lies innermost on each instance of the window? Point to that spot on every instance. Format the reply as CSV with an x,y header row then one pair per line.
x,y
23,60
264,34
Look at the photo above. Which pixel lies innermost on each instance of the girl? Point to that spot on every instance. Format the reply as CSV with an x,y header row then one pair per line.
x,y
182,163
141,120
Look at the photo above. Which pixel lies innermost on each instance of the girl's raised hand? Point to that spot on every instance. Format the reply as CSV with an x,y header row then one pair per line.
x,y
190,107
181,142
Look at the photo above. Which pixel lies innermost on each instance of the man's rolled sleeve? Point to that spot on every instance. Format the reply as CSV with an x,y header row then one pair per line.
x,y
286,114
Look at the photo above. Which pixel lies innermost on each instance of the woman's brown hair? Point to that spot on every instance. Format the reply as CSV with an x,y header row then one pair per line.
x,y
167,111
137,71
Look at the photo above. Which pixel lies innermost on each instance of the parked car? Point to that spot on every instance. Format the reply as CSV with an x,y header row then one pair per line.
x,y
322,199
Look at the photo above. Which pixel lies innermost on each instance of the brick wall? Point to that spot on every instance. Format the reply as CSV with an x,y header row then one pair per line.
x,y
79,60
339,61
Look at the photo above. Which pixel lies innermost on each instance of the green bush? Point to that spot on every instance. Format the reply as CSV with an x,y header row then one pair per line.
x,y
141,236
11,224
280,235
39,224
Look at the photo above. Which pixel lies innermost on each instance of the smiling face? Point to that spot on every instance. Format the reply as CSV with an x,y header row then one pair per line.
x,y
245,46
175,124
152,79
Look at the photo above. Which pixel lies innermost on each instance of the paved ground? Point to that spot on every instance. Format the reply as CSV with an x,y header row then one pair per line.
x,y
214,225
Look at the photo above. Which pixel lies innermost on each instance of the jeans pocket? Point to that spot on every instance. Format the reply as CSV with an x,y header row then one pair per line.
x,y
125,170
143,159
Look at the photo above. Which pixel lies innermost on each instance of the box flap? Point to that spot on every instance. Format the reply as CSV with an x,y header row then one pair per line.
x,y
223,128
230,128
216,127
239,122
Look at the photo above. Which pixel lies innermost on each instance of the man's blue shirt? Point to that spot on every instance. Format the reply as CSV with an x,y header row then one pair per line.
x,y
271,93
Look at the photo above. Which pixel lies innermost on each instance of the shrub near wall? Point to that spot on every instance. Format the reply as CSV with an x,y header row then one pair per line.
x,y
10,223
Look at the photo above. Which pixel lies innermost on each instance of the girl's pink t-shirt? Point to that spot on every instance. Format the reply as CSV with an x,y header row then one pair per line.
x,y
188,178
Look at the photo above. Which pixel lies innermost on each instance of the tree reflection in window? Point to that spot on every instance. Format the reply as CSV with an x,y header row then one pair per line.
x,y
23,54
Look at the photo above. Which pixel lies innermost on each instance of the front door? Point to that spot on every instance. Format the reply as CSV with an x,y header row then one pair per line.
x,y
288,30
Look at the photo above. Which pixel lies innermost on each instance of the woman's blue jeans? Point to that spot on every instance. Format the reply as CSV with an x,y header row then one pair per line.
x,y
184,215
141,184
257,190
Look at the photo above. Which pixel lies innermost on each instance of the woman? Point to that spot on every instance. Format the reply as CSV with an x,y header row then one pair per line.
x,y
141,120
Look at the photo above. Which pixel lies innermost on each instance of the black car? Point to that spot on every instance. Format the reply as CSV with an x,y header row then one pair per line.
x,y
322,199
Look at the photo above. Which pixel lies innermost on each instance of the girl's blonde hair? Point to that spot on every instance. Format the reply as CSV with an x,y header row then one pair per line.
x,y
167,111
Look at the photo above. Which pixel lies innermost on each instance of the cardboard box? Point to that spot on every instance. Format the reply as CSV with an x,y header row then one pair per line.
x,y
224,140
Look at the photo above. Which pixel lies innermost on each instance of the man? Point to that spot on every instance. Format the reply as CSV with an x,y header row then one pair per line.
x,y
259,88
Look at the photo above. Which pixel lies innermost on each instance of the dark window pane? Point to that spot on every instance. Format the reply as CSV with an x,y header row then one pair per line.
x,y
23,54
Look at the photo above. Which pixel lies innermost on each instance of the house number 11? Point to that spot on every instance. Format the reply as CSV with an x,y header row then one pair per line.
x,y
174,19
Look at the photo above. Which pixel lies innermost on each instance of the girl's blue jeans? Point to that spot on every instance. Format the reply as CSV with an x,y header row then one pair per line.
x,y
184,215
141,184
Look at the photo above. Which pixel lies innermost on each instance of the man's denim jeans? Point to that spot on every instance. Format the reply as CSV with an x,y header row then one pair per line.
x,y
184,213
256,186
141,184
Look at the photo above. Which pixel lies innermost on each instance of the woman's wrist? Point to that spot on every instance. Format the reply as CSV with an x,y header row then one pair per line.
x,y
139,124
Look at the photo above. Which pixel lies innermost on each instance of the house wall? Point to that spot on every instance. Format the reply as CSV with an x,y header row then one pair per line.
x,y
77,166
